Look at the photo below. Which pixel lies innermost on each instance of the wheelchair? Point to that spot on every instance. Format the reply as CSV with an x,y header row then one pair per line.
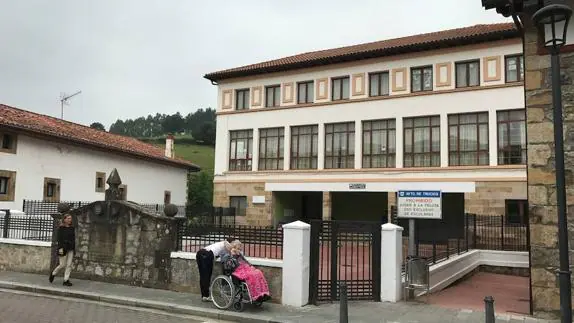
x,y
227,291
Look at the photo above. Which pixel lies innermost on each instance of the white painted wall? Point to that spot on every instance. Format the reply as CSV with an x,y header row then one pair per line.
x,y
77,167
490,100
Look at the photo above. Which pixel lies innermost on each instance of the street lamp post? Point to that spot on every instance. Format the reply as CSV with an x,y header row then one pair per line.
x,y
553,19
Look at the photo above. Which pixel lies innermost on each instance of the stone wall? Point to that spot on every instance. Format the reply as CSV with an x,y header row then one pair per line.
x,y
119,242
489,197
256,214
541,174
25,256
185,277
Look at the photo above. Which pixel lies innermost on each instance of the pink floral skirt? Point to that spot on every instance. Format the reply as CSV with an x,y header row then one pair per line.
x,y
254,279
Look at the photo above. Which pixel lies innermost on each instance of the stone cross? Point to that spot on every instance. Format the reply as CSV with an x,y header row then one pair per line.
x,y
113,193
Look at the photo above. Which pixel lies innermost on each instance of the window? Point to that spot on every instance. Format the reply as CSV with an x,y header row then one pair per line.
x,y
422,142
239,203
7,143
340,88
379,143
305,92
514,68
421,79
468,139
166,197
516,211
4,181
340,145
271,143
51,189
240,150
304,143
123,192
242,99
379,84
100,182
272,96
511,137
7,185
467,74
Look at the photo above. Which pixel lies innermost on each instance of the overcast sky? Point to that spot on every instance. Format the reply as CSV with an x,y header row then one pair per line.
x,y
135,57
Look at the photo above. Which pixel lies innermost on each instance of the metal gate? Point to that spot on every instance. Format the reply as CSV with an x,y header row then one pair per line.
x,y
345,251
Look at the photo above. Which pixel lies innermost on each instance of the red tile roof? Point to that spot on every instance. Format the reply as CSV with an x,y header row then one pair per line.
x,y
435,40
26,121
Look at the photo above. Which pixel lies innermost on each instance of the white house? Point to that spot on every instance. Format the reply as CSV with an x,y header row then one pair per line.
x,y
45,158
336,133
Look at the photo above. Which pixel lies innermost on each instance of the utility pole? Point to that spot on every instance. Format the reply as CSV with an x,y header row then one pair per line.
x,y
64,100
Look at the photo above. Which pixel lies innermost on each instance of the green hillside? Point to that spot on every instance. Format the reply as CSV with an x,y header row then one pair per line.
x,y
202,156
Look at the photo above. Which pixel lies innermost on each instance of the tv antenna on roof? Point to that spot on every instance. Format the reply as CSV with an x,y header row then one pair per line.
x,y
64,100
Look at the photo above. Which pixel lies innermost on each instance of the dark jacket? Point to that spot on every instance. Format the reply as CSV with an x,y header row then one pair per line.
x,y
67,238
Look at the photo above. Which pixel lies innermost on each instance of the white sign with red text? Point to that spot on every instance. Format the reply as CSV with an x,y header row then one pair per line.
x,y
419,205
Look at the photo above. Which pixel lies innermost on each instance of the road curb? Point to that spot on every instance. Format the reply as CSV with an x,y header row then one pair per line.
x,y
135,302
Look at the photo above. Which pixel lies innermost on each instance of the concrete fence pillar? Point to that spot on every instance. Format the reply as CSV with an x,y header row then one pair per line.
x,y
295,283
391,264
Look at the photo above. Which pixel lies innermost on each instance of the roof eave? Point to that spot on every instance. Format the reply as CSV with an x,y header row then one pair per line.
x,y
493,36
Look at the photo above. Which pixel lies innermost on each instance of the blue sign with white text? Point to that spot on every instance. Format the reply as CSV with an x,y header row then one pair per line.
x,y
419,193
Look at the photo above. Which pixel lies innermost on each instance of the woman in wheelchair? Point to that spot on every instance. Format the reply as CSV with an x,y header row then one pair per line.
x,y
240,283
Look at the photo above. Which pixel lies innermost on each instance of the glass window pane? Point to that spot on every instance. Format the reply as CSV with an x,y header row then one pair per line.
x,y
385,84
277,96
346,88
474,74
461,75
416,80
310,93
336,89
408,140
374,84
427,79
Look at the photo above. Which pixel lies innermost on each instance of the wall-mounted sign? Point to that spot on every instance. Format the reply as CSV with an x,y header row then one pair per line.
x,y
419,205
357,186
258,199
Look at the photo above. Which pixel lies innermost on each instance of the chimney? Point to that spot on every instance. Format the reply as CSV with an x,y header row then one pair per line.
x,y
169,153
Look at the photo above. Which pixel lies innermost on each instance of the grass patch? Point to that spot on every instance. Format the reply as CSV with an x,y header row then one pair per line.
x,y
202,156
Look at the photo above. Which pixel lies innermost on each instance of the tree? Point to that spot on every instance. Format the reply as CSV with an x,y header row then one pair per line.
x,y
98,126
200,189
205,133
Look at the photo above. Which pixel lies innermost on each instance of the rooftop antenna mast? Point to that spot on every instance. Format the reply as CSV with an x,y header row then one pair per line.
x,y
64,100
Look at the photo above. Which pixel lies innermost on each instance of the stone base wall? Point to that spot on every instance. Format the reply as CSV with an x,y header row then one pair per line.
x,y
512,271
185,277
25,256
256,214
490,197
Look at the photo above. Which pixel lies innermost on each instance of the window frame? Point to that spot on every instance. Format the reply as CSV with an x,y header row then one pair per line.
x,y
478,151
273,89
349,157
467,63
10,194
523,212
295,157
100,176
245,93
342,79
54,184
520,68
123,192
13,142
507,144
370,156
379,76
308,85
422,69
249,153
238,211
279,161
431,153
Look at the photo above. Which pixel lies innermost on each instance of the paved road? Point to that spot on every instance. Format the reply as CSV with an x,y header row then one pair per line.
x,y
19,307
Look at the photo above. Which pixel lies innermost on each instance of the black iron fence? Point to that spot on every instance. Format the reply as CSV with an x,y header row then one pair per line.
x,y
259,242
26,227
44,208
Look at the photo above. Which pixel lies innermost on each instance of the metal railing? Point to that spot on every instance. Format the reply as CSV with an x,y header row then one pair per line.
x,y
25,227
259,242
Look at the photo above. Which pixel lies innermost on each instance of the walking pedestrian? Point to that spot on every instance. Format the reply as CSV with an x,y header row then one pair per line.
x,y
204,259
66,247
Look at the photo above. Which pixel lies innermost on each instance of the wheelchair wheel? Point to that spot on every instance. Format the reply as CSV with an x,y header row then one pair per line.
x,y
222,292
238,306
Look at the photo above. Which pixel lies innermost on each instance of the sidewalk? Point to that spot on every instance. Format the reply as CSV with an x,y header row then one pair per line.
x,y
359,312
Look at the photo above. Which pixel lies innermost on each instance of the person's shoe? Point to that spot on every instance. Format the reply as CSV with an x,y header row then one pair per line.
x,y
67,283
51,279
206,299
